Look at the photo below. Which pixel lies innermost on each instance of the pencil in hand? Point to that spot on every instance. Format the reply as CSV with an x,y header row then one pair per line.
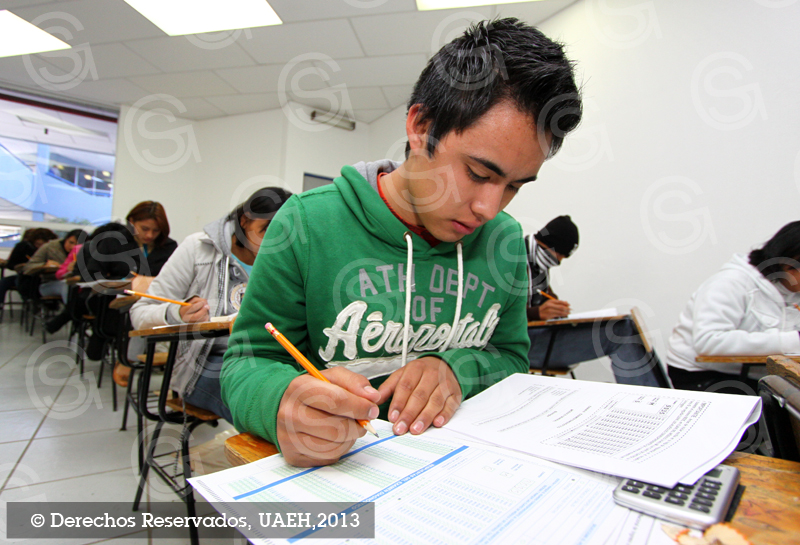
x,y
547,295
157,298
308,366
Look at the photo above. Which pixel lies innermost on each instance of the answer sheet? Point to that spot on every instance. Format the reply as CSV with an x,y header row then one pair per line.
x,y
435,488
655,435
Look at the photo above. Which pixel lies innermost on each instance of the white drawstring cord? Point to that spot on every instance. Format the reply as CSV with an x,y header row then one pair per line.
x,y
460,292
407,322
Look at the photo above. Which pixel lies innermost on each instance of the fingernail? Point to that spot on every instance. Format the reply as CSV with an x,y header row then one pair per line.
x,y
370,390
394,415
417,427
400,428
438,421
373,413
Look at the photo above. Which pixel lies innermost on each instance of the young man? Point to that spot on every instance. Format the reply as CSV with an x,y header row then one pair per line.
x,y
619,340
406,277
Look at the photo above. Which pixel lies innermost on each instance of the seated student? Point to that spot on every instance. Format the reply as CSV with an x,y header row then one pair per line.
x,y
210,270
748,307
364,275
582,342
53,254
32,240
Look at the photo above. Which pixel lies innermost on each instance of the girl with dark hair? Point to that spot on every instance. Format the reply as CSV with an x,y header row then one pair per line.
x,y
748,307
32,240
210,270
53,254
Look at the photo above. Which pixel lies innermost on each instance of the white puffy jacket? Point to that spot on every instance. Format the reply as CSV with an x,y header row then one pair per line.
x,y
736,311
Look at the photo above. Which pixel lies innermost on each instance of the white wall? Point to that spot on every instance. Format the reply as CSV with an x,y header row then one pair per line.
x,y
688,151
387,139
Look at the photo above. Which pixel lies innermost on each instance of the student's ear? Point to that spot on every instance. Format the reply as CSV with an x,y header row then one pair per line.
x,y
417,130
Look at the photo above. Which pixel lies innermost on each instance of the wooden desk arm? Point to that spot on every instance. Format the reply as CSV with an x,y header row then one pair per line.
x,y
245,448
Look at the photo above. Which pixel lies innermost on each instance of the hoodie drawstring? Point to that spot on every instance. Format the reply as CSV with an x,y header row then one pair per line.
x,y
409,274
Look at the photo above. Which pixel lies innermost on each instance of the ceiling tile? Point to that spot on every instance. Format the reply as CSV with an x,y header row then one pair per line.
x,y
185,53
418,32
367,98
11,4
292,11
397,94
34,73
258,79
533,13
283,43
391,70
106,60
109,91
91,21
198,108
368,116
240,104
187,84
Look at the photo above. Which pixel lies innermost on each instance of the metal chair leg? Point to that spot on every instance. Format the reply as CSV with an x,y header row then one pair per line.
x,y
146,467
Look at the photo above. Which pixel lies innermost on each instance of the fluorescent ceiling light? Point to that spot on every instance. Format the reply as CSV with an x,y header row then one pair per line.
x,y
179,17
19,37
428,5
335,120
36,117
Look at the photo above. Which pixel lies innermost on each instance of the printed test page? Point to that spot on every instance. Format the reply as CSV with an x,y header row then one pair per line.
x,y
653,435
435,488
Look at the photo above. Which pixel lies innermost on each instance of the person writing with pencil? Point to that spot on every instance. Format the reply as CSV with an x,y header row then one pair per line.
x,y
404,283
207,277
630,363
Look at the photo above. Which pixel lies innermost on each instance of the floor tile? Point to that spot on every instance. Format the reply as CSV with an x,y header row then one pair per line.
x,y
58,458
10,453
33,397
19,425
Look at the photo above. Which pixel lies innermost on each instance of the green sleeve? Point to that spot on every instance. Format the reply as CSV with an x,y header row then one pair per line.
x,y
507,351
257,370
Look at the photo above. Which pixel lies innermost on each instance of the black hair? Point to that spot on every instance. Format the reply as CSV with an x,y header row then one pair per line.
x,y
493,61
79,234
782,249
260,205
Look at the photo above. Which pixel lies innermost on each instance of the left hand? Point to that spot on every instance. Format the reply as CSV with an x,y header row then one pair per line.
x,y
424,392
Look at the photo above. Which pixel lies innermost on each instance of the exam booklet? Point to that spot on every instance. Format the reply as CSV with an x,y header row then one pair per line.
x,y
654,435
438,487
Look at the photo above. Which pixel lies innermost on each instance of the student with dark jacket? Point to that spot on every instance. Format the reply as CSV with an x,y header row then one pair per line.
x,y
32,240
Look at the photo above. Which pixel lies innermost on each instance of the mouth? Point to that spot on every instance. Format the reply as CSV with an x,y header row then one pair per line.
x,y
465,228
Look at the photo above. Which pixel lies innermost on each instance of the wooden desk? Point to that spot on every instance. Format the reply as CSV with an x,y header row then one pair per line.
x,y
752,359
122,302
768,514
207,328
785,366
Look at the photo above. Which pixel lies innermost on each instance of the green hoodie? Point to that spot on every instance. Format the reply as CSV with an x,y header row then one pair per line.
x,y
330,276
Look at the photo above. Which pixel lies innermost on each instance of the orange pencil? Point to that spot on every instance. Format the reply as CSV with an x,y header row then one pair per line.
x,y
547,295
157,298
308,366
796,306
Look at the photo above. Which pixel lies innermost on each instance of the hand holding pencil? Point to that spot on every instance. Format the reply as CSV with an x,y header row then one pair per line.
x,y
318,420
553,307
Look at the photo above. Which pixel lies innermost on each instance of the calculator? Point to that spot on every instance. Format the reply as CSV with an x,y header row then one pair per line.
x,y
697,506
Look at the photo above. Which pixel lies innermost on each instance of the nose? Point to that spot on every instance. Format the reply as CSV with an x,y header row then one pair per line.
x,y
488,201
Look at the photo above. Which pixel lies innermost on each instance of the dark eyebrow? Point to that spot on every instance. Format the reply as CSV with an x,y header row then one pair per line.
x,y
499,171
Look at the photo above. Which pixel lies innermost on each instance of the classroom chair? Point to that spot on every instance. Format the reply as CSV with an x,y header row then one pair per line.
x,y
780,417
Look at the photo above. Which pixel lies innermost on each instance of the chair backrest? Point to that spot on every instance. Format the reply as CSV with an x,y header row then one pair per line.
x,y
780,416
659,369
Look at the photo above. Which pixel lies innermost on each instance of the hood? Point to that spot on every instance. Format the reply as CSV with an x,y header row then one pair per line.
x,y
359,188
740,263
220,233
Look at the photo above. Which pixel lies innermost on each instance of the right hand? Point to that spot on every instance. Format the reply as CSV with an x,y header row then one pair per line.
x,y
317,421
197,311
553,309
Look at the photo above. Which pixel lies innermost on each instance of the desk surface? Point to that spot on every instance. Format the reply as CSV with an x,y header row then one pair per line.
x,y
182,328
768,514
550,323
745,358
785,366
122,302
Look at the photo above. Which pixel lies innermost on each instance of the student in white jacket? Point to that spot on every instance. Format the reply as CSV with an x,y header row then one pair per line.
x,y
748,307
210,270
